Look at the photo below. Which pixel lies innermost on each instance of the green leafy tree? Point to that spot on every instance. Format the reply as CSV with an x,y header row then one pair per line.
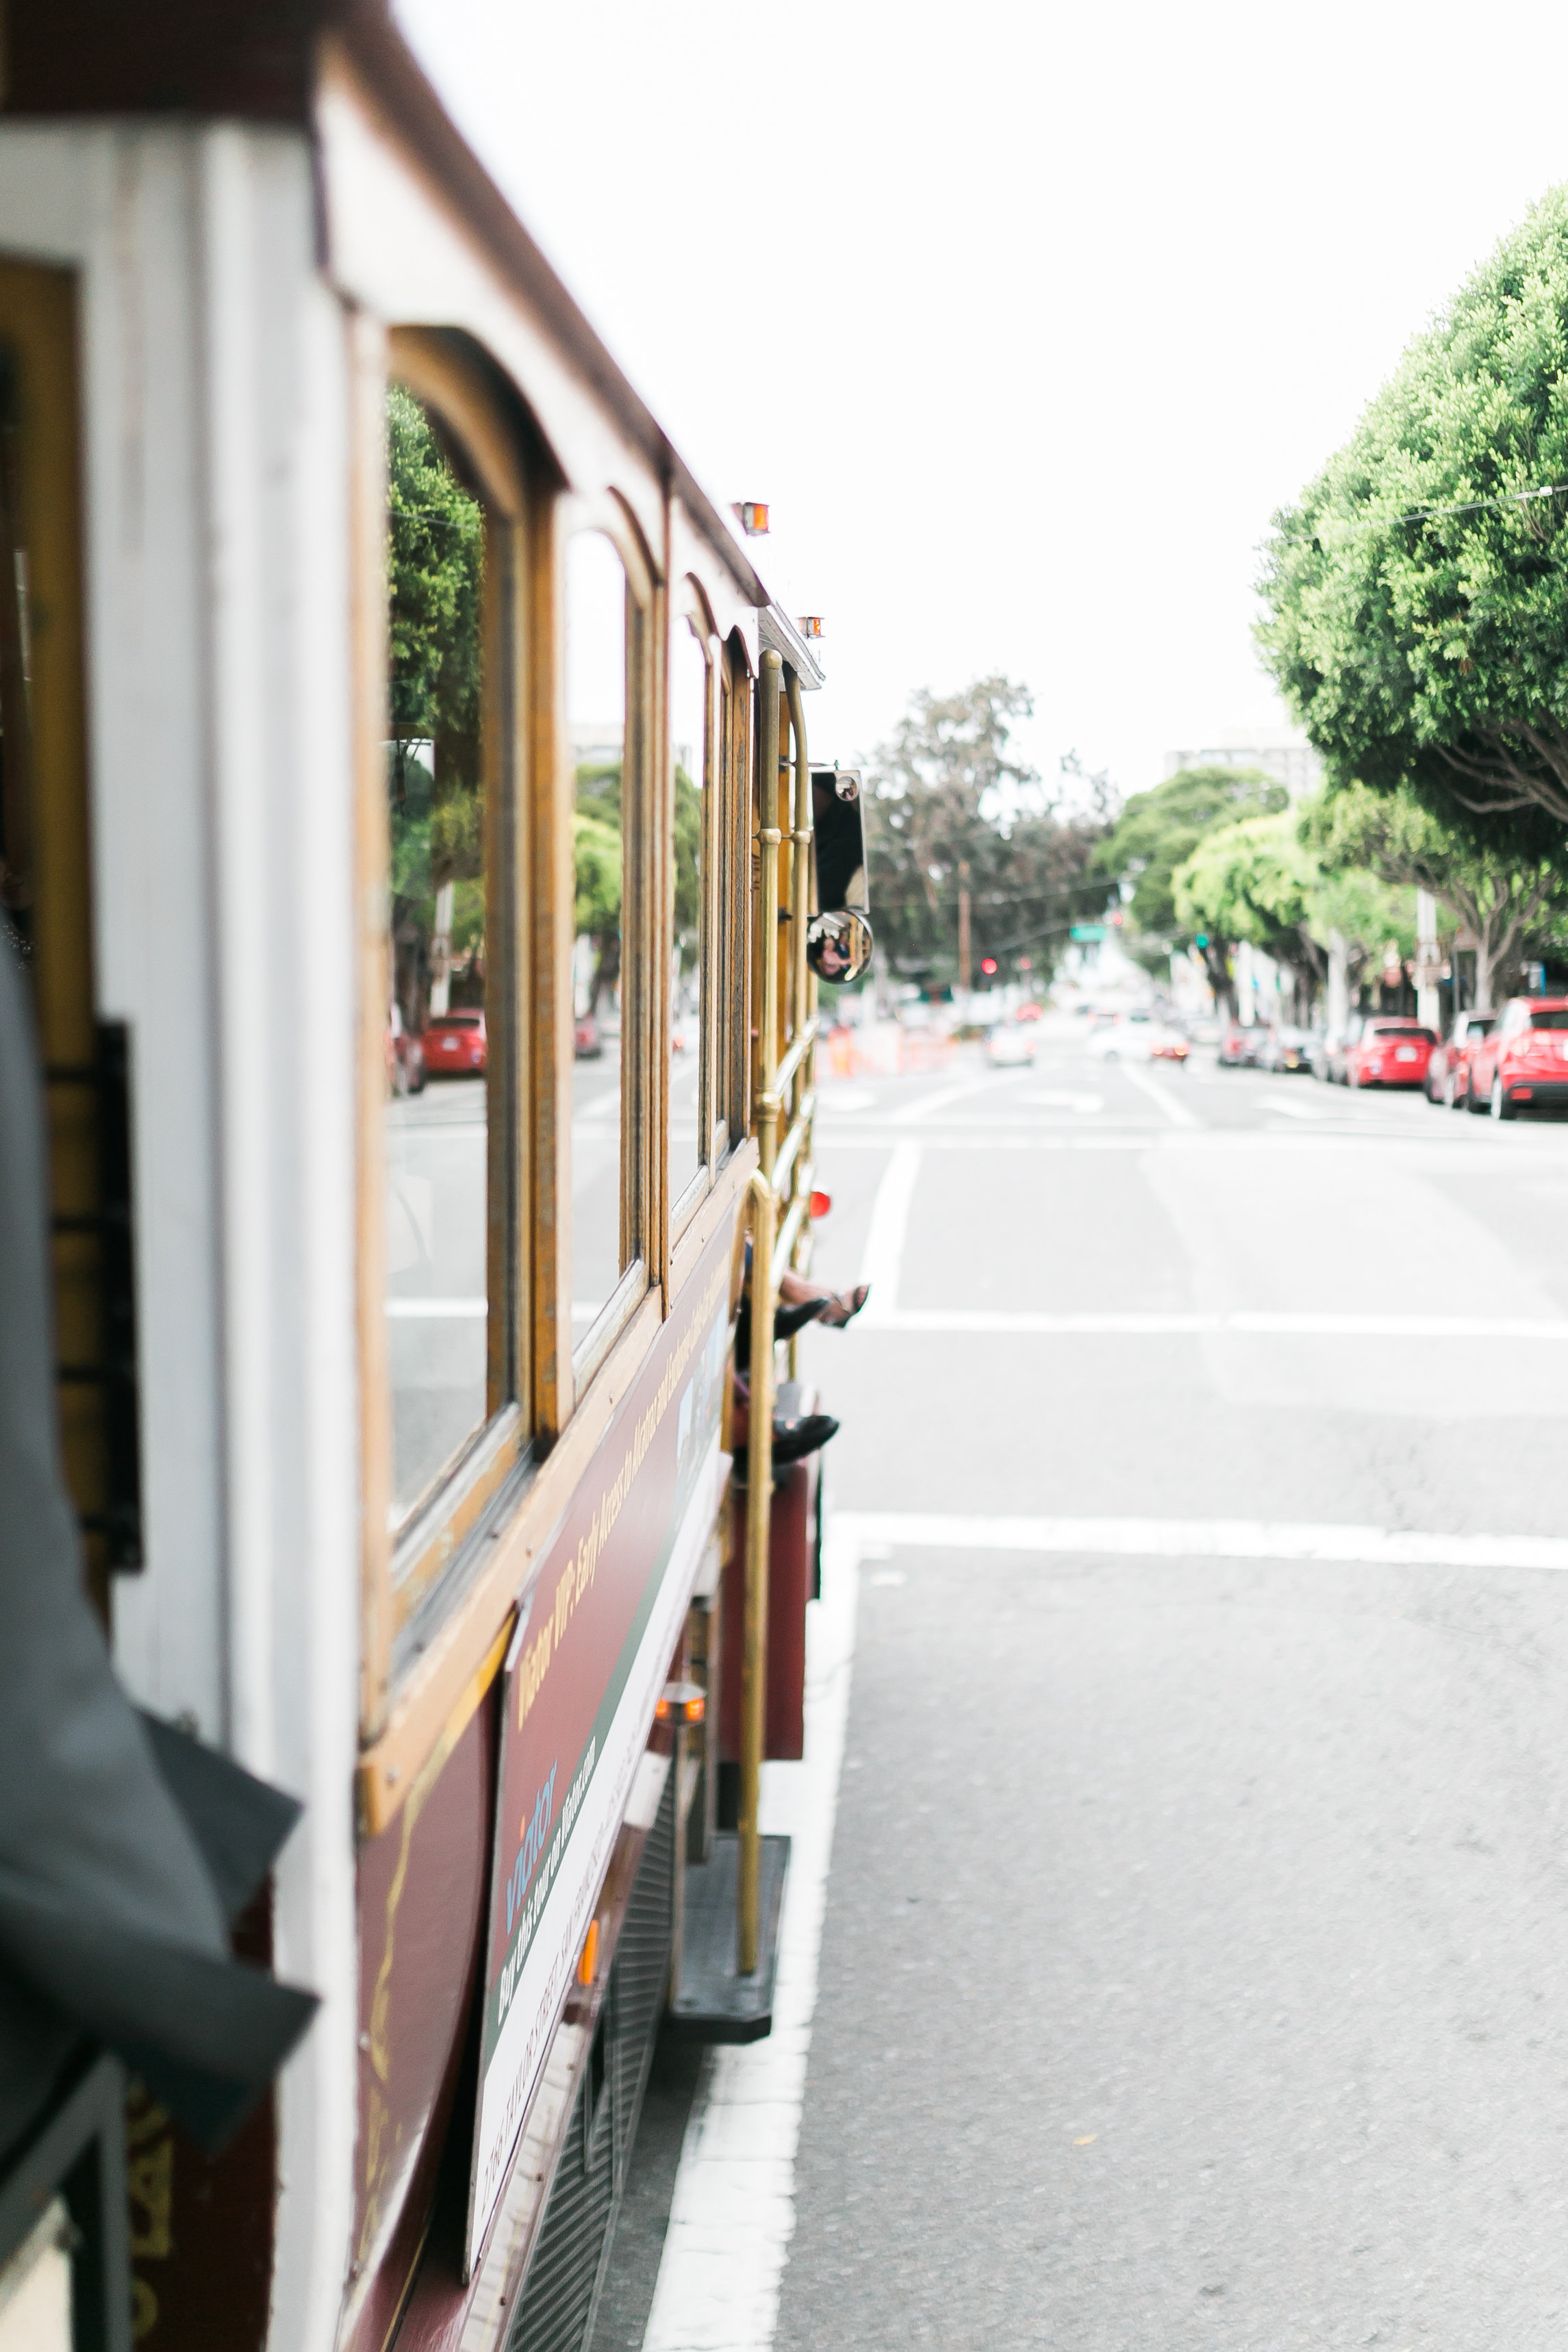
x,y
1502,902
687,862
596,848
1266,881
434,777
1254,881
1360,918
949,807
599,851
1417,594
1155,833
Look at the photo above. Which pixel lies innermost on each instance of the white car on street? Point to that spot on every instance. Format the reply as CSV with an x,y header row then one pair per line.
x,y
1011,1046
1139,1040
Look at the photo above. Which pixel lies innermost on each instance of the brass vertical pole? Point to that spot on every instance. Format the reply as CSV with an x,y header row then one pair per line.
x,y
801,903
767,1097
759,1513
760,1446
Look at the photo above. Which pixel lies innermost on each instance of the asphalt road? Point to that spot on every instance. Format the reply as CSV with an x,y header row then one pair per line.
x,y
1194,1969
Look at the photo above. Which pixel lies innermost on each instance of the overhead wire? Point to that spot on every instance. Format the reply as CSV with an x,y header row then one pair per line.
x,y
1416,514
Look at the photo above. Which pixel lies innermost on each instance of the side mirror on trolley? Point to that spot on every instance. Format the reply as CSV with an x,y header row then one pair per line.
x,y
836,816
838,945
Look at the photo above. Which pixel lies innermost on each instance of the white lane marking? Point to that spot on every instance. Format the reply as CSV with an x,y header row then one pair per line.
x,y
1048,1099
1304,1106
1505,1143
1199,1540
889,1227
437,1310
732,2215
1178,1113
1245,1323
927,1104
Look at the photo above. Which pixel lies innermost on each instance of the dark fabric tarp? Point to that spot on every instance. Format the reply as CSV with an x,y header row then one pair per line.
x,y
125,1848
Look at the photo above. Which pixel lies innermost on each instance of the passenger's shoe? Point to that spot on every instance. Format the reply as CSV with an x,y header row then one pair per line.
x,y
793,1440
788,1321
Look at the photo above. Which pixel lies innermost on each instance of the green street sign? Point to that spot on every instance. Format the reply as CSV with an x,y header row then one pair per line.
x,y
1089,931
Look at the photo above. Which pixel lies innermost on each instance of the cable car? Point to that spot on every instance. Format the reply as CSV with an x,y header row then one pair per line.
x,y
384,709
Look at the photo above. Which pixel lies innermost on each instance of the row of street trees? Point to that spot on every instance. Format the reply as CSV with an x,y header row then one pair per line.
x,y
1416,617
1216,858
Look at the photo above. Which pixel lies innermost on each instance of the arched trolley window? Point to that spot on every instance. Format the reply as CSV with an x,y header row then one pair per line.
x,y
619,850
446,1326
698,1134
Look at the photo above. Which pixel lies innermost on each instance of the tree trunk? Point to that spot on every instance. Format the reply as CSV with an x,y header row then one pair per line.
x,y
1428,1008
1487,959
1216,963
1338,1008
607,970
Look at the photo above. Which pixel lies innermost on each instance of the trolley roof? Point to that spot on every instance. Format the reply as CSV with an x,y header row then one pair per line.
x,y
261,61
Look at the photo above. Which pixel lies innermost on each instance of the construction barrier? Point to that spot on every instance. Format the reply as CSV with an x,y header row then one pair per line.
x,y
884,1050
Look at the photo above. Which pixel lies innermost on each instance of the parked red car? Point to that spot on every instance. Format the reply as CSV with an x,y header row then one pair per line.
x,y
1390,1052
1525,1059
456,1045
1449,1071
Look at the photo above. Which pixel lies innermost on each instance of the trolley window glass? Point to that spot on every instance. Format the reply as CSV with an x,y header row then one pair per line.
x,y
438,1032
729,958
445,1315
603,643
691,876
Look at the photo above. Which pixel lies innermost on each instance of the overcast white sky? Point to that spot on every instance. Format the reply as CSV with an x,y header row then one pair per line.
x,y
1023,319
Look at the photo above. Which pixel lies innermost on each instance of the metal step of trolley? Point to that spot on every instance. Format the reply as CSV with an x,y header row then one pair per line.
x,y
712,2000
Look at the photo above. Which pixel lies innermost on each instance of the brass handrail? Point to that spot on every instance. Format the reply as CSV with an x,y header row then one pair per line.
x,y
760,1409
800,1046
772,1252
755,1605
789,1234
803,1075
799,1132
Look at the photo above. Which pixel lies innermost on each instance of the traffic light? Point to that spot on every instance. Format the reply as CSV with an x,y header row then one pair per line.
x,y
1203,938
988,966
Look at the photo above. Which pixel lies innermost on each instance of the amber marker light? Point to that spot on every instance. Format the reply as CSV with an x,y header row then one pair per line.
x,y
590,1960
820,1203
753,518
681,1703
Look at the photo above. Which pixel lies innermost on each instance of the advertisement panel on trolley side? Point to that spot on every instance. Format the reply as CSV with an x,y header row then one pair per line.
x,y
596,1630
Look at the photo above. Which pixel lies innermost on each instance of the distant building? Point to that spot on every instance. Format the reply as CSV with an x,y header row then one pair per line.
x,y
1289,759
596,742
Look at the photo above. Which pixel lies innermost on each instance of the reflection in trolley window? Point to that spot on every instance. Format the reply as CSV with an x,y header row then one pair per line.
x,y
596,722
438,1046
689,762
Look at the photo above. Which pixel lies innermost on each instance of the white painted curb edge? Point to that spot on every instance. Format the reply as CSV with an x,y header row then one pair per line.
x,y
733,2211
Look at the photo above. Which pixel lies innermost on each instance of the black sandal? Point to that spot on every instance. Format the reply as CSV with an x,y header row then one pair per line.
x,y
793,1440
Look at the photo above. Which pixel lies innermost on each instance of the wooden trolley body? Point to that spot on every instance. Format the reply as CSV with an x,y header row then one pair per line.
x,y
222,234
